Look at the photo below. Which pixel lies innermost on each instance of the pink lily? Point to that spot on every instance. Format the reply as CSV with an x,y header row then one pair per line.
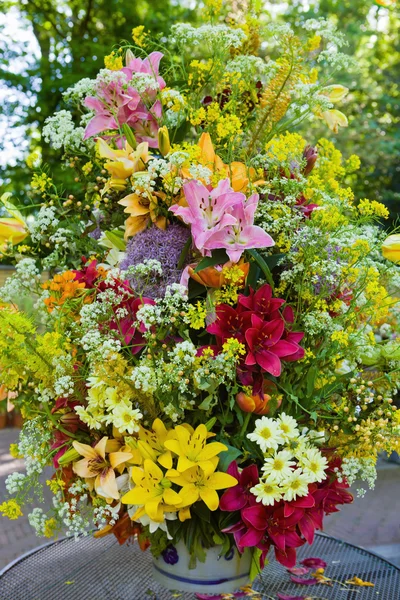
x,y
239,497
242,233
266,346
207,210
262,303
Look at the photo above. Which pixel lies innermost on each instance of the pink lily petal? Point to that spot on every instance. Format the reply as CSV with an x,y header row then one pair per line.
x,y
314,563
299,571
302,581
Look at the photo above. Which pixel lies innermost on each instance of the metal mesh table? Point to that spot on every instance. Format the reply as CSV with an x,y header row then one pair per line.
x,y
89,569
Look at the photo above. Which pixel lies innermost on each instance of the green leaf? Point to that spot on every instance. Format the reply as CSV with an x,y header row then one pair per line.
x,y
255,568
202,511
311,376
226,457
218,257
254,275
117,240
273,260
263,266
184,252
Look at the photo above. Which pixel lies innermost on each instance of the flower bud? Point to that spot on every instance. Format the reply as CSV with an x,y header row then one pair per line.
x,y
391,248
310,154
163,140
129,57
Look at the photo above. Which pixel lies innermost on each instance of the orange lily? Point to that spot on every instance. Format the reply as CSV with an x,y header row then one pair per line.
x,y
97,470
236,171
215,278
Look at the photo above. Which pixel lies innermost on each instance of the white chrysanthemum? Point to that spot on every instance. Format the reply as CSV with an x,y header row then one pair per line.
x,y
314,465
279,465
125,418
267,434
295,486
267,491
288,427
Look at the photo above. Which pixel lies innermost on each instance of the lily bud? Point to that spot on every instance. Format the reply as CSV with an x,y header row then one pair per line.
x,y
129,57
335,93
69,456
391,248
164,144
12,230
310,154
334,119
130,136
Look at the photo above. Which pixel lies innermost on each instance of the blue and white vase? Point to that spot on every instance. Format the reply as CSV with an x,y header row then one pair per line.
x,y
219,574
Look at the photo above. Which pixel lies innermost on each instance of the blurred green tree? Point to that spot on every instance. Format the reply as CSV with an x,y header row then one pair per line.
x,y
65,40
373,105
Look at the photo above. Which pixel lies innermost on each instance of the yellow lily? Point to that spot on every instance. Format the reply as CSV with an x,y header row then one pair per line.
x,y
201,483
391,248
123,163
12,229
97,470
152,492
151,444
192,448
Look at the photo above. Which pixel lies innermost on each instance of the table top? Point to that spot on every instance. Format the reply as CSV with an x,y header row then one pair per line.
x,y
100,569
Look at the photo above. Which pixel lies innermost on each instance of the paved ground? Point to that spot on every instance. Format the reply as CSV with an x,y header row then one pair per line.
x,y
372,522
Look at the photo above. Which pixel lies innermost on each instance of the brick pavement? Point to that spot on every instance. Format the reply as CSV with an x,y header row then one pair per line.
x,y
372,522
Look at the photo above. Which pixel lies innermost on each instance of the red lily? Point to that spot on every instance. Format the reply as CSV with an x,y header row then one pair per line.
x,y
239,497
262,303
230,323
266,346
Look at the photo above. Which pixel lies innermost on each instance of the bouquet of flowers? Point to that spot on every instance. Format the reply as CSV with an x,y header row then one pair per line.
x,y
210,351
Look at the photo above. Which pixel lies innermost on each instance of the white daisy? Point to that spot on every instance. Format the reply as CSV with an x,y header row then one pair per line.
x,y
288,427
279,465
267,434
295,486
267,491
125,418
314,465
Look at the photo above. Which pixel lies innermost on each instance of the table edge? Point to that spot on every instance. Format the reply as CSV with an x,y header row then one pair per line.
x,y
21,558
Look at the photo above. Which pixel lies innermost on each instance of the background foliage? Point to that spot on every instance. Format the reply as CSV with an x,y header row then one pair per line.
x,y
61,41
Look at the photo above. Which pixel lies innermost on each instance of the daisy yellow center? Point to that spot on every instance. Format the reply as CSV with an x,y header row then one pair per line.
x,y
126,418
268,488
278,464
295,484
266,433
313,467
285,428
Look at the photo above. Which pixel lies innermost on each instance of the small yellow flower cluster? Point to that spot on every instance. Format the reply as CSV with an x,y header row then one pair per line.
x,y
372,208
14,451
11,509
50,527
199,72
286,147
341,337
113,61
87,167
41,182
196,314
139,35
313,43
228,127
329,218
233,348
55,484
